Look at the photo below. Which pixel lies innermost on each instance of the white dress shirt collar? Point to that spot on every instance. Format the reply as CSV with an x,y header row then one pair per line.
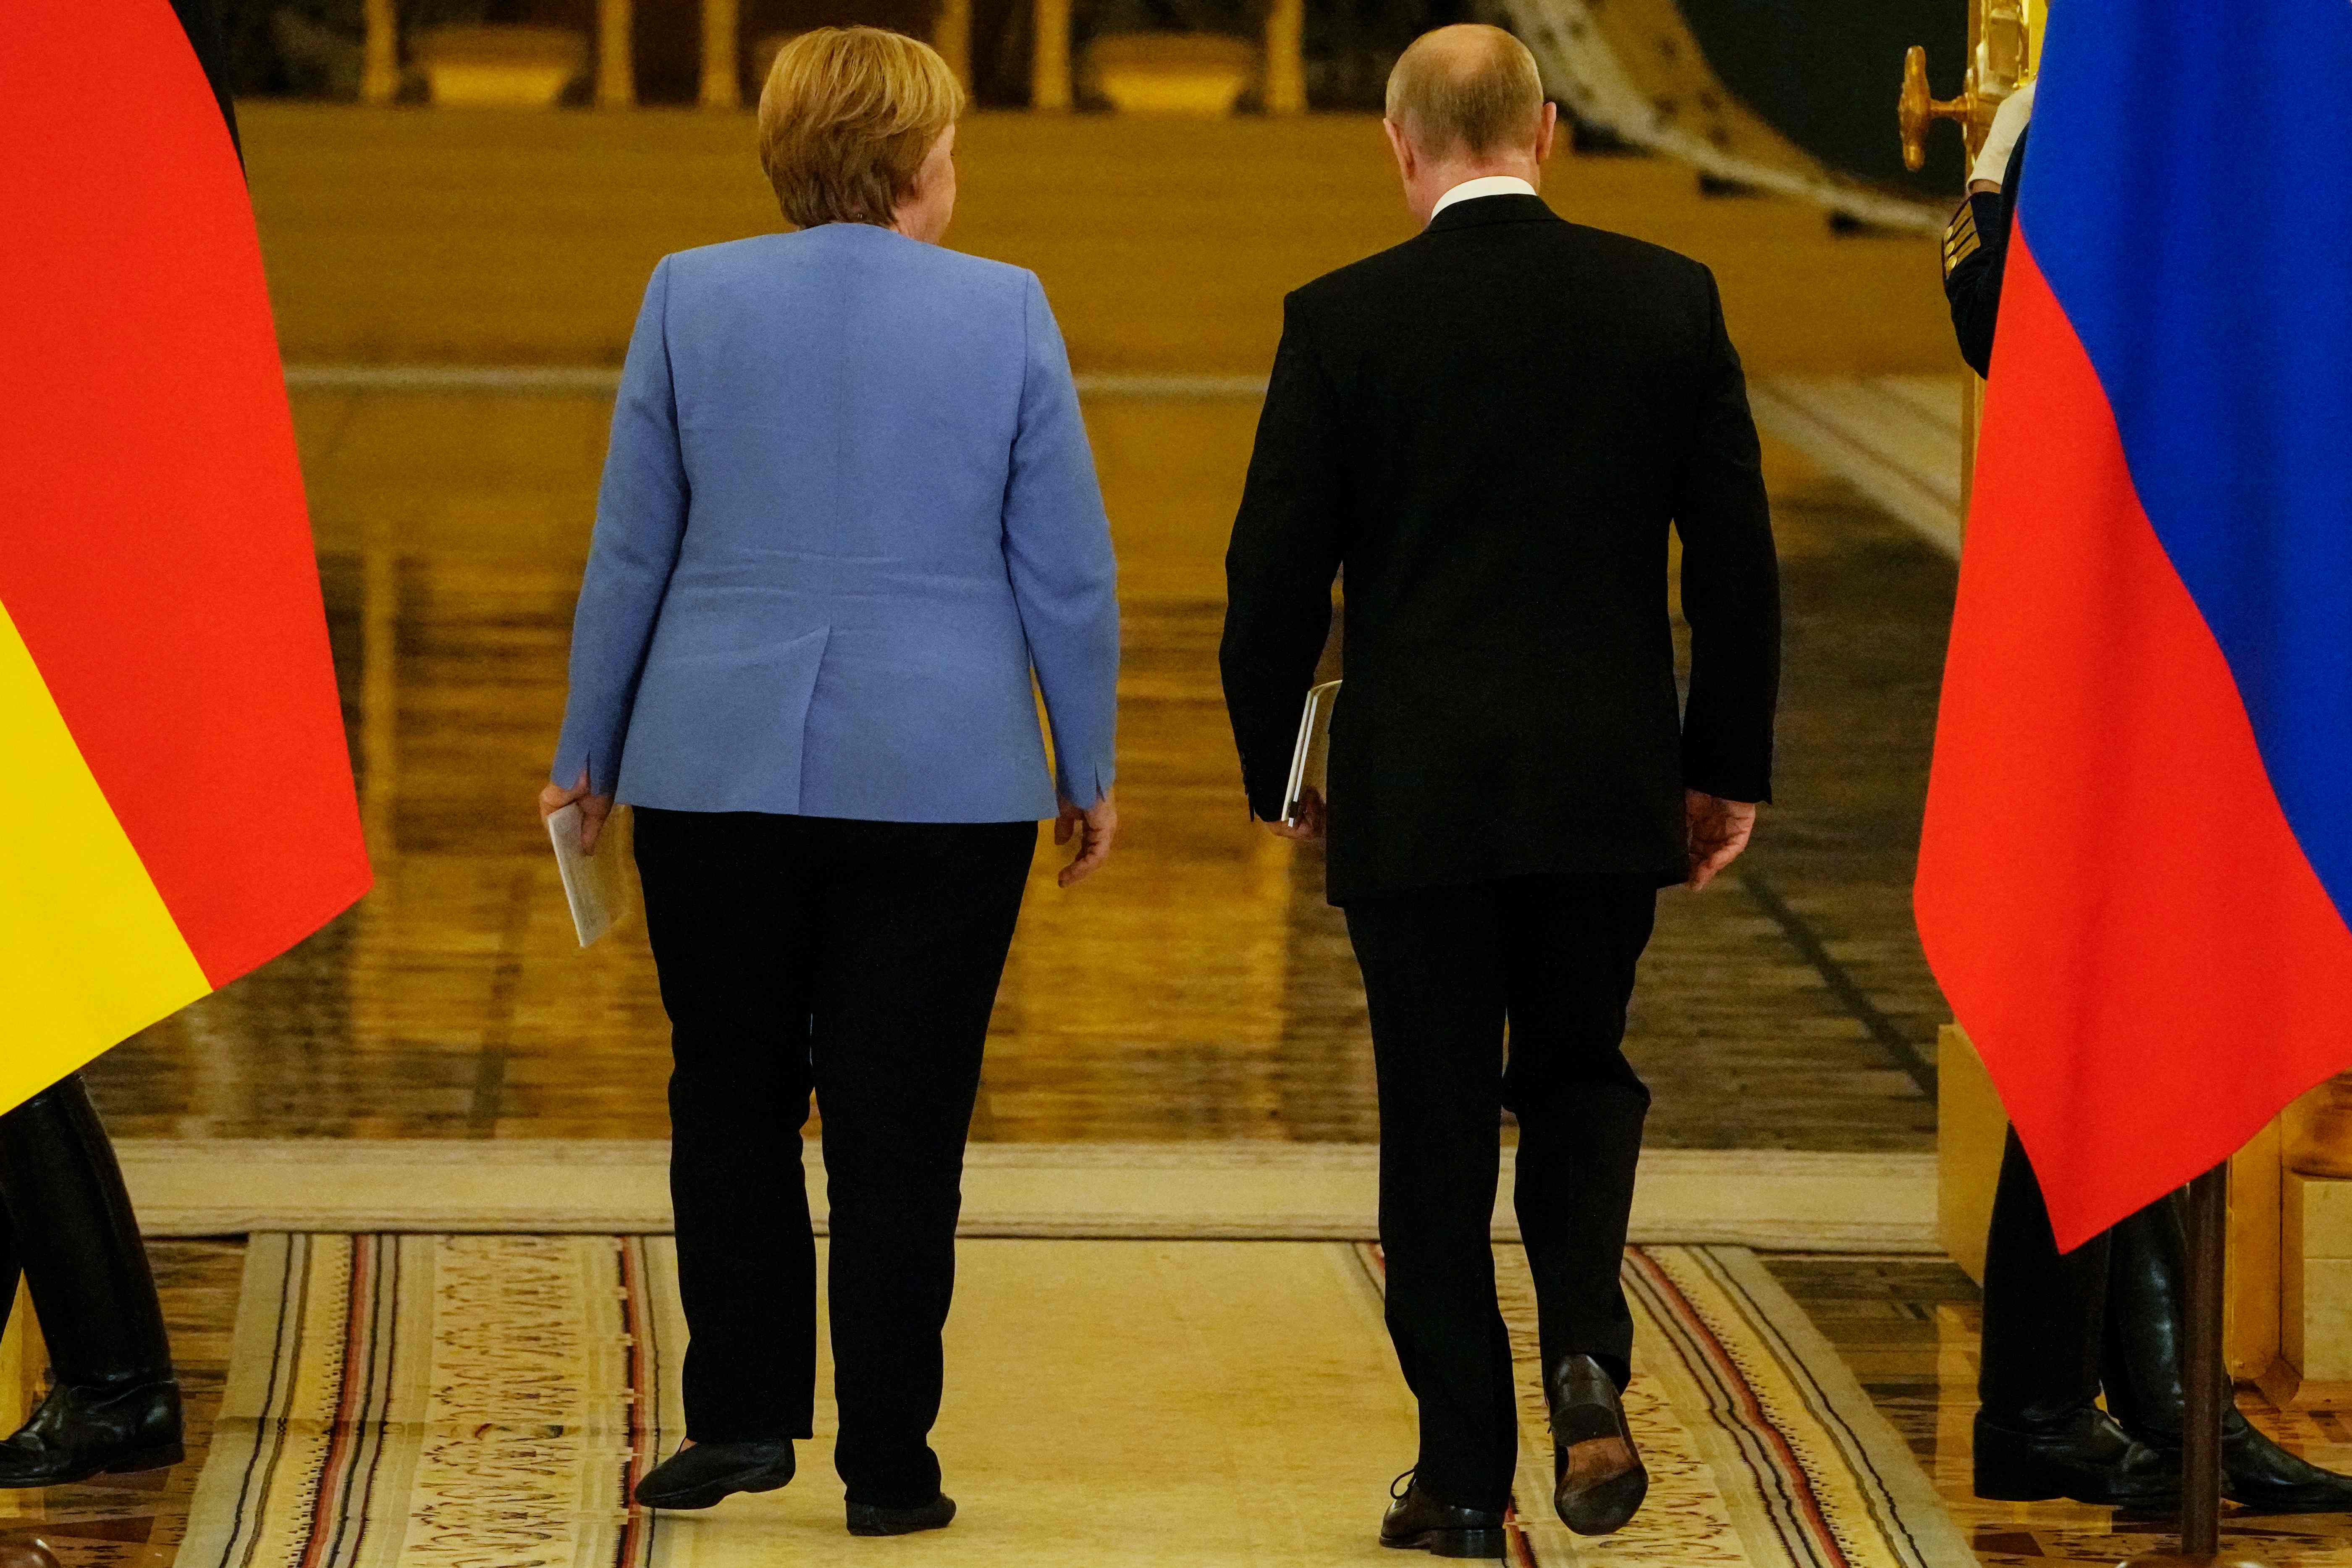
x,y
1486,186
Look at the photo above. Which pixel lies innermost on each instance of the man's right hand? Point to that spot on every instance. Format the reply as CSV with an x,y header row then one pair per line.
x,y
1720,830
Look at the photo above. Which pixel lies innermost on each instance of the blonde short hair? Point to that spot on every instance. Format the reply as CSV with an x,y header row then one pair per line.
x,y
1469,87
846,118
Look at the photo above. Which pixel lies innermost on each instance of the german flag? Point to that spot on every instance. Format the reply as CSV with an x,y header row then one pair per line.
x,y
175,796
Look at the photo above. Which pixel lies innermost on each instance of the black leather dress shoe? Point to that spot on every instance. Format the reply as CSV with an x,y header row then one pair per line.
x,y
2256,1473
85,1430
1417,1521
1598,1477
2082,1455
873,1518
699,1475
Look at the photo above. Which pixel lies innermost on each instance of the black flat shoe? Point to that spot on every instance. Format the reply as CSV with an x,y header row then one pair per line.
x,y
1598,1477
873,1518
1417,1521
2082,1455
699,1475
84,1431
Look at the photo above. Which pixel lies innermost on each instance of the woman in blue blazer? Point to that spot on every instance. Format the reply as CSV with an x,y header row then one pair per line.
x,y
848,511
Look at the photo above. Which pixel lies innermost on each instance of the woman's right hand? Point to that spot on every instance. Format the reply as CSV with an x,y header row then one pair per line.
x,y
593,808
1096,827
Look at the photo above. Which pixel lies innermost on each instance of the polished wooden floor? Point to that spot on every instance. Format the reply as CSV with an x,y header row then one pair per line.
x,y
1199,988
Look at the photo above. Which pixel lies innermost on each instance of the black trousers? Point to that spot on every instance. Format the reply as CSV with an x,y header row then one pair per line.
x,y
861,960
1444,970
2044,1309
2062,1329
67,1227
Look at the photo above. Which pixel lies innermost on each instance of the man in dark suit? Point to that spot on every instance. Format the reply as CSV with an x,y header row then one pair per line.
x,y
1490,429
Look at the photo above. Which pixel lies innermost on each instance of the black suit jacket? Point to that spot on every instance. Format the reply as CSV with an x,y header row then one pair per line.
x,y
1489,429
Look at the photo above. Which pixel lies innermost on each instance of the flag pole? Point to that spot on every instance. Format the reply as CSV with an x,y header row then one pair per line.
x,y
2202,1383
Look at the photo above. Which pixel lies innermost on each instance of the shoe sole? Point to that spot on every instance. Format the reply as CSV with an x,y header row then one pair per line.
x,y
162,1459
2161,1503
870,1527
1603,1485
872,1531
717,1492
2001,1482
2311,1505
1489,1543
1993,1488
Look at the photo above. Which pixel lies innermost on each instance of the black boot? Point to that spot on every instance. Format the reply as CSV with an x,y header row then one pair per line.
x,y
11,1274
2039,1431
2146,1285
113,1405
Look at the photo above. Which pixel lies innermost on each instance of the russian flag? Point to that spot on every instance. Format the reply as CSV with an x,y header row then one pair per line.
x,y
175,795
2136,866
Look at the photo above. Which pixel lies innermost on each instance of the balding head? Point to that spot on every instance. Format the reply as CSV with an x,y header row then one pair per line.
x,y
1466,93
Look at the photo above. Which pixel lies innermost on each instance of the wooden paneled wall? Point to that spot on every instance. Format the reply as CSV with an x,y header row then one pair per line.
x,y
487,236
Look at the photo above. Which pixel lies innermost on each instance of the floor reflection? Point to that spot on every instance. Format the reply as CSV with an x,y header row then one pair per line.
x,y
1199,988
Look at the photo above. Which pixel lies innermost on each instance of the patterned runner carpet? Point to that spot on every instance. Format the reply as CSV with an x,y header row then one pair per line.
x,y
448,1400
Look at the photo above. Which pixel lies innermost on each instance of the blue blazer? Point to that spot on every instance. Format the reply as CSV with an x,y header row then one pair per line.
x,y
848,509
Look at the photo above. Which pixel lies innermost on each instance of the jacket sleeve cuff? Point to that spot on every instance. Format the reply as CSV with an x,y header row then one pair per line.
x,y
1745,791
574,758
1084,786
1726,779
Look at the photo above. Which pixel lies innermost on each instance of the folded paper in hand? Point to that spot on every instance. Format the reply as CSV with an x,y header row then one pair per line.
x,y
593,883
1310,759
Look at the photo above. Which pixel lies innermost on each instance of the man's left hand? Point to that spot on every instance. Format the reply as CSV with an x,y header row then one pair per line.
x,y
1718,831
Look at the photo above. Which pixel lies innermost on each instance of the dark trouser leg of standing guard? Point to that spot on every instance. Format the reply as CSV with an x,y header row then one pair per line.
x,y
114,1405
1442,969
731,911
914,935
2038,1432
12,1273
2043,1309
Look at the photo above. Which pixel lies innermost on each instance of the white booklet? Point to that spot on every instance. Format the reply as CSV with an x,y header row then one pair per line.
x,y
593,881
1310,758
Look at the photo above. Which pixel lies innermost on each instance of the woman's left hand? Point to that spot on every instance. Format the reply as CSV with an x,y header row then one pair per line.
x,y
593,808
1096,827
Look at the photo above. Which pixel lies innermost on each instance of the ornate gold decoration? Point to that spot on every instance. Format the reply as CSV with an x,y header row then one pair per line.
x,y
1917,109
2007,35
